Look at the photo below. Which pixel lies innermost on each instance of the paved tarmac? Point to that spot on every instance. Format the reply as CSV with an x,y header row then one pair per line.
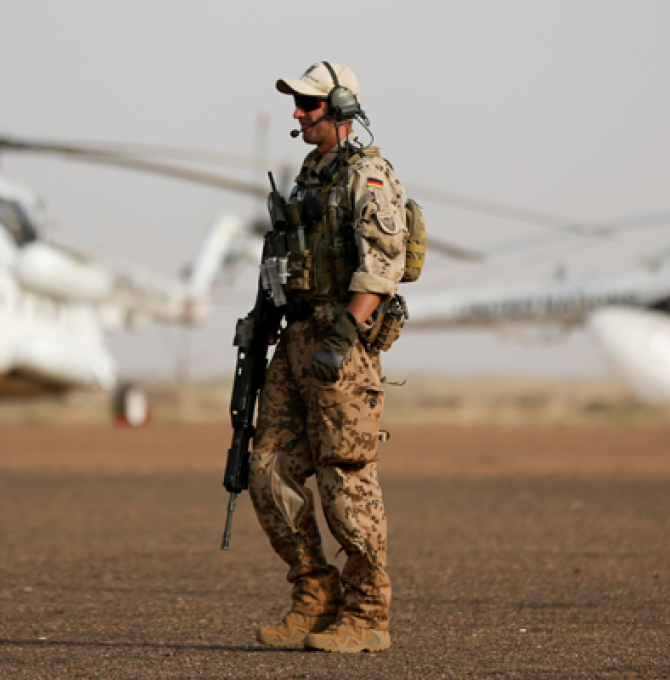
x,y
514,554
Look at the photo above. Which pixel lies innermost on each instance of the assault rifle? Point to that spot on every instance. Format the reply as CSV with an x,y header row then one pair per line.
x,y
253,335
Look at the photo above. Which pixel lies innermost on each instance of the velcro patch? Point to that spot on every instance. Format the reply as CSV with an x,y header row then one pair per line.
x,y
374,182
387,222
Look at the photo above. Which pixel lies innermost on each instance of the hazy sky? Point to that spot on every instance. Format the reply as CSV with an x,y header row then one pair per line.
x,y
561,106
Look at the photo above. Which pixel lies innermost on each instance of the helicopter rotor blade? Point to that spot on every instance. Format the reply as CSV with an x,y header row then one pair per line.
x,y
611,227
179,153
137,157
201,156
454,252
537,218
104,156
111,155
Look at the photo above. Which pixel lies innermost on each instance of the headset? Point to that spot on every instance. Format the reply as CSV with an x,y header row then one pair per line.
x,y
342,103
342,107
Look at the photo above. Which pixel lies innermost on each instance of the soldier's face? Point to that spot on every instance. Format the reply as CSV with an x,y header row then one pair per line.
x,y
308,110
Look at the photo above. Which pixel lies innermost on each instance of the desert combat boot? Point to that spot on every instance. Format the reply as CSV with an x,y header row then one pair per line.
x,y
348,638
292,629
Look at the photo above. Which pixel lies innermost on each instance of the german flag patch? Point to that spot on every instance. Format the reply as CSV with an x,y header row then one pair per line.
x,y
377,183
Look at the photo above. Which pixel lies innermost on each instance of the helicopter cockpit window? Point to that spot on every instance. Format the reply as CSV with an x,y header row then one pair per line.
x,y
15,220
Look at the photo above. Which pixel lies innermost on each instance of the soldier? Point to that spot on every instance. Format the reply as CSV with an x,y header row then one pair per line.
x,y
322,401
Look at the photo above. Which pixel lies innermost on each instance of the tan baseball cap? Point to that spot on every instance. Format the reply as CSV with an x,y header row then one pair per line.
x,y
316,81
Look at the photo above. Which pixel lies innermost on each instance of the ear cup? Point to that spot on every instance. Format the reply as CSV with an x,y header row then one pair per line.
x,y
342,102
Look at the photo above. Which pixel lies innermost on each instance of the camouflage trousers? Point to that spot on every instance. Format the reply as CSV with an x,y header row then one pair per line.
x,y
307,427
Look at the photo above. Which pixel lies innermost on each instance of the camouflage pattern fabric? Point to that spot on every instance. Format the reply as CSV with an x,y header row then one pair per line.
x,y
377,198
328,430
379,225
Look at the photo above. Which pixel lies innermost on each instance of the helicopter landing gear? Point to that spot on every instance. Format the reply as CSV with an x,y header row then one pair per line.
x,y
131,406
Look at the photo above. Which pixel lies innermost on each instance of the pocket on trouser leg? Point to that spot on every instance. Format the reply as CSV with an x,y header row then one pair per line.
x,y
349,425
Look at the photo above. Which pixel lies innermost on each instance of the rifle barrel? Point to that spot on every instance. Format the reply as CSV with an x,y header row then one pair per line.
x,y
225,543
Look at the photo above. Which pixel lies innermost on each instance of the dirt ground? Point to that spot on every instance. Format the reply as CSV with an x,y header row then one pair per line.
x,y
514,553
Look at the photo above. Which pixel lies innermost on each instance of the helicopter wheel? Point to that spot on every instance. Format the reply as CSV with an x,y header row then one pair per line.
x,y
131,406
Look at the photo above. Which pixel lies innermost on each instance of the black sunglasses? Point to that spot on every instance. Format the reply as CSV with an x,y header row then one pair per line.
x,y
307,103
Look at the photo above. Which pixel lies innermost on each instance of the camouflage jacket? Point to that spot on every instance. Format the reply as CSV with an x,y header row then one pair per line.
x,y
372,201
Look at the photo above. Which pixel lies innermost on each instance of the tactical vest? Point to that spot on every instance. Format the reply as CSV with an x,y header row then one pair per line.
x,y
324,270
319,250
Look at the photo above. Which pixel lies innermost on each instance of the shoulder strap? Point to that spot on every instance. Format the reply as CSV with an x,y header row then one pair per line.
x,y
363,152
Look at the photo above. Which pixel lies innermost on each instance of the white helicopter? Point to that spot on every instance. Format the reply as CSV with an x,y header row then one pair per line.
x,y
628,316
57,302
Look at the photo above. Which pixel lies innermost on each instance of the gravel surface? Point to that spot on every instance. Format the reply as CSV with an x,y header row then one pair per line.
x,y
514,554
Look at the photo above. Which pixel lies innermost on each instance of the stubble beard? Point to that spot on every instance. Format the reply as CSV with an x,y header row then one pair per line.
x,y
318,134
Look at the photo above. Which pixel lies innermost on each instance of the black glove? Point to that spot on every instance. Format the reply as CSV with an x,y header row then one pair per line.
x,y
328,359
